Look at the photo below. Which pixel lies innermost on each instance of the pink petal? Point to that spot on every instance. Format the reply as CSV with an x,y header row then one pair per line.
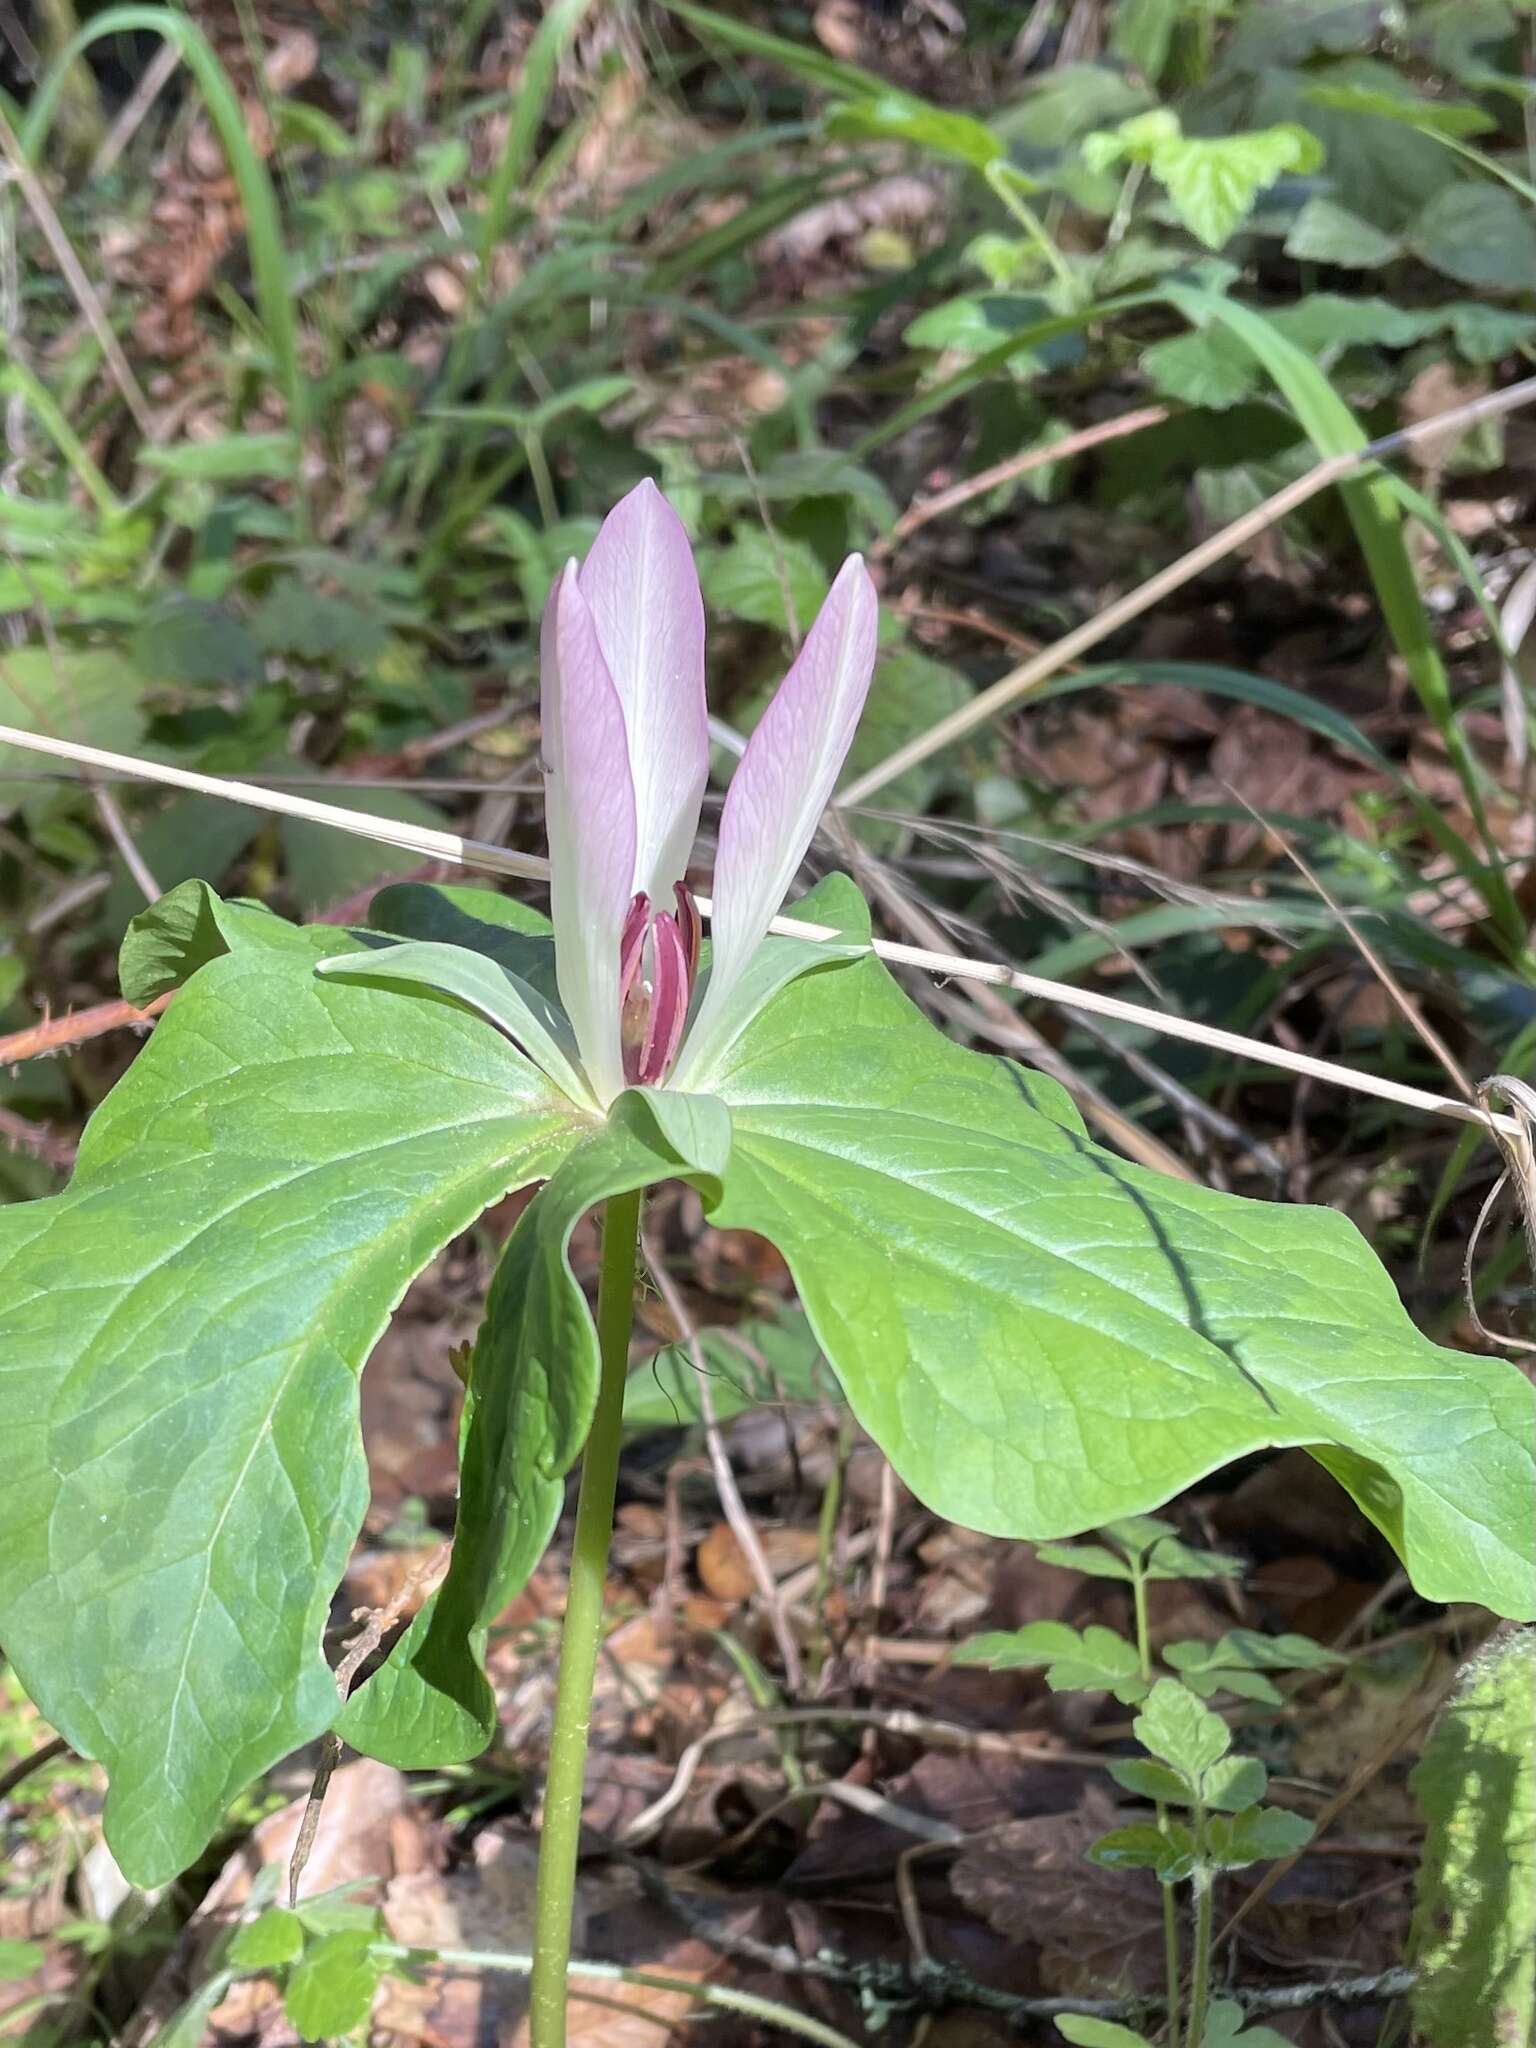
x,y
643,590
787,774
589,802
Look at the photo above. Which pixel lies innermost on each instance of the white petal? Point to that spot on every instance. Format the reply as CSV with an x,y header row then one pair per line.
x,y
786,776
589,803
643,590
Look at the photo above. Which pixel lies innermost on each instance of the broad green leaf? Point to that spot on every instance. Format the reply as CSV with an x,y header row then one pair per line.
x,y
1169,1851
1175,1726
1262,1834
275,1937
76,693
181,1332
1042,1337
1457,118
1091,2033
19,1959
330,1990
1479,234
1224,2025
325,867
1474,1929
532,1388
317,625
194,640
1325,232
1093,1659
898,117
186,928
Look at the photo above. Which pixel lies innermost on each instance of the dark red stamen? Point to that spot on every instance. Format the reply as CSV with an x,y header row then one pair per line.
x,y
669,1001
637,921
690,925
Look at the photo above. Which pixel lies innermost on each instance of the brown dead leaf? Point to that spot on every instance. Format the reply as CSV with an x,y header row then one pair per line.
x,y
1098,1931
722,1564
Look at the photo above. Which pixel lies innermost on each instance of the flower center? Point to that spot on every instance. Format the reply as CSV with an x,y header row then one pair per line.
x,y
658,960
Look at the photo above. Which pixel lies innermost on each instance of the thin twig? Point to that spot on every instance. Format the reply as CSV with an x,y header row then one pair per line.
x,y
475,853
18,1773
1030,674
54,1033
926,509
42,211
156,76
732,1506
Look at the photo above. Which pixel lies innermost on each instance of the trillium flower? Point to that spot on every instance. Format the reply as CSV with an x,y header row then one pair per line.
x,y
626,753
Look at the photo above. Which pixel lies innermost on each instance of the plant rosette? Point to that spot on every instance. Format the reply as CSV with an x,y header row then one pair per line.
x,y
1041,1337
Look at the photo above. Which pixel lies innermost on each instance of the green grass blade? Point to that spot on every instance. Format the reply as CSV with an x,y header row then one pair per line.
x,y
263,227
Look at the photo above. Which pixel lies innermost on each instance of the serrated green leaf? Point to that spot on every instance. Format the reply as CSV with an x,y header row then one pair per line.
x,y
532,1389
1092,1558
1212,181
1150,1781
770,579
330,1990
325,867
276,1937
1233,1783
317,625
1168,1851
1262,1834
1206,368
1175,1726
181,1476
1093,1659
1236,1663
1474,1928
1159,1552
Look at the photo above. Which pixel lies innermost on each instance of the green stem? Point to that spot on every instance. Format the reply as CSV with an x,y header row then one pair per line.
x,y
1032,225
582,1631
1200,1966
1171,1959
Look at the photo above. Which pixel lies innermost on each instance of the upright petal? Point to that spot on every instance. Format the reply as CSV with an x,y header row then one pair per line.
x,y
643,590
589,802
787,773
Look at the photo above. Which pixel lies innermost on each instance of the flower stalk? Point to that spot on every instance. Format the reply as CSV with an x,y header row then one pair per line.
x,y
581,1634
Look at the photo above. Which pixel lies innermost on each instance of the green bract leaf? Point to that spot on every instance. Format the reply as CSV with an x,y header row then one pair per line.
x,y
1089,1660
1042,1337
181,1476
768,578
532,1389
1176,1727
